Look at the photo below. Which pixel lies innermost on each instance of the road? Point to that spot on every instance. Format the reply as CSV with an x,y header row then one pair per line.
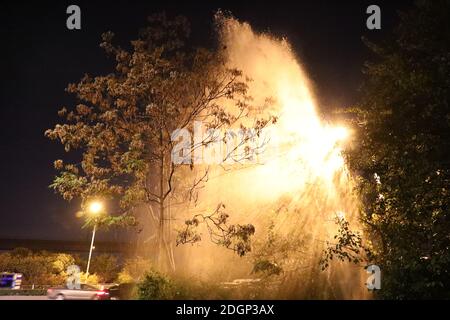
x,y
23,297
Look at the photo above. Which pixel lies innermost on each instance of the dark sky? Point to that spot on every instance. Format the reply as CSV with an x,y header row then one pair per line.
x,y
40,57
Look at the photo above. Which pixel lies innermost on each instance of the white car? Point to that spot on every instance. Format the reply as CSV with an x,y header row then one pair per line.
x,y
86,292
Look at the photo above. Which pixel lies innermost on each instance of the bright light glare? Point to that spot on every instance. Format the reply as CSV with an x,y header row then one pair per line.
x,y
342,133
95,207
340,215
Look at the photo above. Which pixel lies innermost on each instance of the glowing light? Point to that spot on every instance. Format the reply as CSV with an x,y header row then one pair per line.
x,y
341,133
303,149
340,215
95,207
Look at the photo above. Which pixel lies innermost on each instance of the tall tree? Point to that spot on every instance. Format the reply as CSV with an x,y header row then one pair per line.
x,y
401,154
125,121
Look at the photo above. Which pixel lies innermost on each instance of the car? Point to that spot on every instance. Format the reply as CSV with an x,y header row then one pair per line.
x,y
124,291
86,292
113,290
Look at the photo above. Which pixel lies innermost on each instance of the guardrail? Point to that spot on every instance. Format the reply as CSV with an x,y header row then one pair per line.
x,y
36,286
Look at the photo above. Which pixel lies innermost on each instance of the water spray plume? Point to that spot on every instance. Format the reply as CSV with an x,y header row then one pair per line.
x,y
301,147
301,183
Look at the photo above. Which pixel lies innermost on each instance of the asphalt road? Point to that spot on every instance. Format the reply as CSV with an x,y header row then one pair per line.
x,y
23,297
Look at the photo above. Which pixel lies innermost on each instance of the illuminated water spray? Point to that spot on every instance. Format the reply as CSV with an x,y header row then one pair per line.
x,y
302,183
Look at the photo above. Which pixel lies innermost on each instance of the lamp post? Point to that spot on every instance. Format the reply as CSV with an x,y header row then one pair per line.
x,y
94,209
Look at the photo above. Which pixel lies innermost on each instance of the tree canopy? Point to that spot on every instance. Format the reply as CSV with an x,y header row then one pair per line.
x,y
401,154
124,123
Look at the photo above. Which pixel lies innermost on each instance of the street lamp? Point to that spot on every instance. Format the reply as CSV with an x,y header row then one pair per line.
x,y
94,209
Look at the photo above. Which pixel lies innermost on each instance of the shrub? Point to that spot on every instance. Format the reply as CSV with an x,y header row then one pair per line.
x,y
155,286
37,268
61,261
89,279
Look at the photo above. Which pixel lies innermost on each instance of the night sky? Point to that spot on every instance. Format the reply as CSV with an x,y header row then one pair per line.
x,y
40,56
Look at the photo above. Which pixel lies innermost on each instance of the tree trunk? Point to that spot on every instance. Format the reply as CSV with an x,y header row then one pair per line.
x,y
166,260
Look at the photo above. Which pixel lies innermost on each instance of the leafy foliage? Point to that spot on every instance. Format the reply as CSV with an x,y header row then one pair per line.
x,y
158,286
155,286
123,122
267,267
235,237
37,268
347,246
401,154
105,266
